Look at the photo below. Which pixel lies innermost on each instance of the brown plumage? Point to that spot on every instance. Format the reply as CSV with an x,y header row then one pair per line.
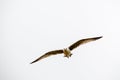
x,y
55,52
67,51
83,41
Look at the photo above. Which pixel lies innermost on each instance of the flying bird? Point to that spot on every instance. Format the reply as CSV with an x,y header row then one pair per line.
x,y
67,51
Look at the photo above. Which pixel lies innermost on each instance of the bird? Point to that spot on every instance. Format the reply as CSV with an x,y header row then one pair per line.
x,y
66,51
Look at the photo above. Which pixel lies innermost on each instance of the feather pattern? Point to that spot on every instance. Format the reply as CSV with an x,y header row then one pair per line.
x,y
55,52
83,41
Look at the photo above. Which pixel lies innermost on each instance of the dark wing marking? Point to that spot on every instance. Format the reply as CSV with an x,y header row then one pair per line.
x,y
55,52
83,41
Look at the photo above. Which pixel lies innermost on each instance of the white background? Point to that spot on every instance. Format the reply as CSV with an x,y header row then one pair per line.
x,y
29,28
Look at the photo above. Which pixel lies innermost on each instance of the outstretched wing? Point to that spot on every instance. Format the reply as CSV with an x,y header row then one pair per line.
x,y
83,41
55,52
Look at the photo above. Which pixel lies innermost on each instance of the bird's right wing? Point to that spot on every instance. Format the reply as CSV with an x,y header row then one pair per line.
x,y
55,52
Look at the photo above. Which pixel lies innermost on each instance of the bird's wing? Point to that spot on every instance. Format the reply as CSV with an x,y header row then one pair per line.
x,y
55,52
83,41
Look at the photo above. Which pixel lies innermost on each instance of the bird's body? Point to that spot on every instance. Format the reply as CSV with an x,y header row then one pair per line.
x,y
67,51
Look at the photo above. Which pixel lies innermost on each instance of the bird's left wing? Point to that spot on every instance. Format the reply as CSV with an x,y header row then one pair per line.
x,y
55,52
83,41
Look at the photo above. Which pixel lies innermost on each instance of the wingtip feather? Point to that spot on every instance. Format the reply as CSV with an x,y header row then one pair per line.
x,y
32,62
98,37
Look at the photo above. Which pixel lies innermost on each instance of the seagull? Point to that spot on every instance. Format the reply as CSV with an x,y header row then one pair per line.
x,y
66,51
